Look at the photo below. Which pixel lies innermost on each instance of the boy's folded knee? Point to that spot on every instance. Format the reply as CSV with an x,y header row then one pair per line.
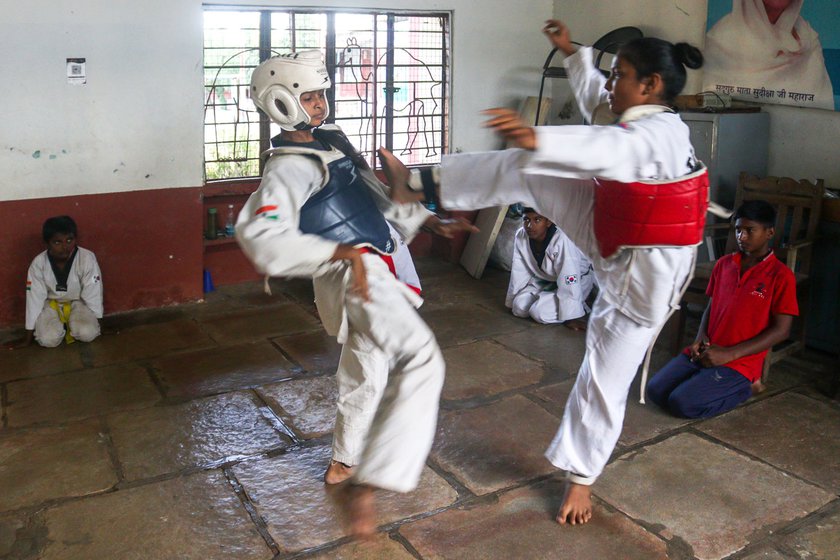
x,y
49,341
85,334
683,407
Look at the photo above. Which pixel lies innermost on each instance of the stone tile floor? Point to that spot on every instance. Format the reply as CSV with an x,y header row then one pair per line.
x,y
202,431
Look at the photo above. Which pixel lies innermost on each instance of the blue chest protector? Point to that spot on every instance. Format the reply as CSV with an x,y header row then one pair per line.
x,y
344,210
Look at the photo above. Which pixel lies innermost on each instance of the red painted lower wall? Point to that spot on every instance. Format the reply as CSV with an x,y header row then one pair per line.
x,y
148,244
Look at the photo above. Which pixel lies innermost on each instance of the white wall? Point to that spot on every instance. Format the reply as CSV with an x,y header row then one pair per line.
x,y
135,125
138,122
803,142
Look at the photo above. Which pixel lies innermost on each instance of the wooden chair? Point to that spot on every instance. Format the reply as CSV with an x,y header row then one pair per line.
x,y
798,206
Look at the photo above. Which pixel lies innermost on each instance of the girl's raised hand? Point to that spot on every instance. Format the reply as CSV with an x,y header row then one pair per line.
x,y
560,37
508,124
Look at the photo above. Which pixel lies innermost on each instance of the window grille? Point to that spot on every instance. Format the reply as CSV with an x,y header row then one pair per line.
x,y
389,72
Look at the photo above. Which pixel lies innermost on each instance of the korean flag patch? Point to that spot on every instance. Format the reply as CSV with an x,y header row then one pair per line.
x,y
571,279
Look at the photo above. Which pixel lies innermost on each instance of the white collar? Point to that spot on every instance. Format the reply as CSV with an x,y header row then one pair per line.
x,y
642,111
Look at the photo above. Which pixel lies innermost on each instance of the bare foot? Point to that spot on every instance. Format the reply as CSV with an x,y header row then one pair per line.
x,y
397,175
577,505
337,472
757,387
362,512
575,324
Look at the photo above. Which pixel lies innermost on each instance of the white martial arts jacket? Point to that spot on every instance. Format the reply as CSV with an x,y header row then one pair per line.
x,y
563,264
267,227
84,282
649,142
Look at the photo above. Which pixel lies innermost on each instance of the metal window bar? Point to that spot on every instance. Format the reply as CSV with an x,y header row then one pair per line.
x,y
410,113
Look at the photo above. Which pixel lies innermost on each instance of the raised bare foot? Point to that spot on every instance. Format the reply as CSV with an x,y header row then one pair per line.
x,y
577,505
397,175
362,512
758,387
575,324
337,472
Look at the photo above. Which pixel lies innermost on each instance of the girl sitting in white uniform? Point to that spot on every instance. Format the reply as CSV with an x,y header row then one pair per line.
x,y
550,278
320,212
631,196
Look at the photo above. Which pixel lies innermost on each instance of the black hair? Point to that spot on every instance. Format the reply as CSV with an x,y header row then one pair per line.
x,y
58,224
649,55
529,209
759,211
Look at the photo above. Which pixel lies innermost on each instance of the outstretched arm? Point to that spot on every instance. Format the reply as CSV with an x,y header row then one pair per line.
x,y
509,125
449,227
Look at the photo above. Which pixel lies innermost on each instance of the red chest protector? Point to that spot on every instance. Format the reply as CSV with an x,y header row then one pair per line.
x,y
651,213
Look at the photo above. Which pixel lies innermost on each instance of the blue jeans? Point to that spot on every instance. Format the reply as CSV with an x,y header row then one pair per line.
x,y
689,390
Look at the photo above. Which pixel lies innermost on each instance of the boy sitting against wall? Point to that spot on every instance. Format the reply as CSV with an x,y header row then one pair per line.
x,y
63,289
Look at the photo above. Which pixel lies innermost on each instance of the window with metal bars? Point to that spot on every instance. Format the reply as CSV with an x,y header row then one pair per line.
x,y
389,72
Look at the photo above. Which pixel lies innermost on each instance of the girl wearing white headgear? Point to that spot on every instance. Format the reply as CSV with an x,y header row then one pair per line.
x,y
320,212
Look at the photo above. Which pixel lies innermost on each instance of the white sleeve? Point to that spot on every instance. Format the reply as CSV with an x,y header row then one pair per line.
x,y
267,227
36,292
586,81
91,282
655,148
567,272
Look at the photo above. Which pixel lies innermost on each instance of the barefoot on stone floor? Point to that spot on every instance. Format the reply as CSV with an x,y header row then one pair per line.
x,y
337,472
362,512
577,505
758,387
397,175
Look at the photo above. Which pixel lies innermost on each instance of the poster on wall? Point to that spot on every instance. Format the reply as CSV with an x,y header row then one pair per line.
x,y
774,51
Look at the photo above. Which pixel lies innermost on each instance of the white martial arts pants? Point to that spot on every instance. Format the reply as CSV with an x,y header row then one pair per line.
x,y
616,342
543,306
82,324
387,330
361,375
539,305
594,413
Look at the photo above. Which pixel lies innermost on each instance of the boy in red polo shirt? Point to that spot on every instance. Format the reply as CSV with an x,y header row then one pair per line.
x,y
752,302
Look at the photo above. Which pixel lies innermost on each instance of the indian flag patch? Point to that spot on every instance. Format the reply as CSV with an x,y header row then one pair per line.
x,y
29,285
267,212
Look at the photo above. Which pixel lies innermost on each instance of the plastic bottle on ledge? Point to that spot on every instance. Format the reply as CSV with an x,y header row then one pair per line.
x,y
210,232
230,221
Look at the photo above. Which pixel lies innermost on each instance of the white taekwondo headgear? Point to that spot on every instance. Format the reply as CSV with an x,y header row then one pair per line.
x,y
277,83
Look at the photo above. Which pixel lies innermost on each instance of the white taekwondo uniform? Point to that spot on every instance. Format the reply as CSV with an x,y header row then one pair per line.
x,y
383,334
638,287
83,293
555,290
